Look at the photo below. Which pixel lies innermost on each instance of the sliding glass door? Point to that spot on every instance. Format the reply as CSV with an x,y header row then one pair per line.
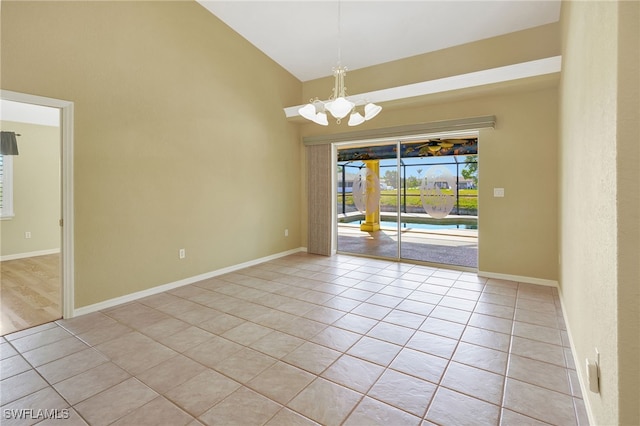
x,y
410,200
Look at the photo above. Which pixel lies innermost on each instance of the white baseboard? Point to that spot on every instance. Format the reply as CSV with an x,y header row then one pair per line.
x,y
170,286
519,278
30,254
583,386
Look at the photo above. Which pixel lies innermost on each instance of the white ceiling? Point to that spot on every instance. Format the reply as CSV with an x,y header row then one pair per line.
x,y
302,36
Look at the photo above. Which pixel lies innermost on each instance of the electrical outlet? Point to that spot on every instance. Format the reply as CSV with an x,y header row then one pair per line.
x,y
286,232
498,192
182,253
27,235
592,367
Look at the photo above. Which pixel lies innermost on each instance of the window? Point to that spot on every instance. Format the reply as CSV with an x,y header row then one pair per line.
x,y
6,186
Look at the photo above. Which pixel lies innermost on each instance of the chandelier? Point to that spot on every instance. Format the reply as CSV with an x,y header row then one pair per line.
x,y
338,104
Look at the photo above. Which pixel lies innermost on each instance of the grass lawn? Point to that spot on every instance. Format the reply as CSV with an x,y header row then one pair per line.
x,y
468,198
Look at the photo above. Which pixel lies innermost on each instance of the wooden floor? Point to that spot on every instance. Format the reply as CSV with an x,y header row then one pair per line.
x,y
30,292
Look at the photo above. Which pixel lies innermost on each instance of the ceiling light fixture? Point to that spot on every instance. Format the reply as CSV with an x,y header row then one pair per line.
x,y
338,104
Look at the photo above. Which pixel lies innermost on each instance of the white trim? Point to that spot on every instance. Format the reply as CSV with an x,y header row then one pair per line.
x,y
67,247
186,281
334,199
29,254
584,388
528,69
519,278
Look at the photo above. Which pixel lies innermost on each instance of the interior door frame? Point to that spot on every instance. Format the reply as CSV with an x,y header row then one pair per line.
x,y
66,186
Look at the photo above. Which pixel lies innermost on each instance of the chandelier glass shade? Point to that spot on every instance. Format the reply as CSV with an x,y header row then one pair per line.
x,y
338,105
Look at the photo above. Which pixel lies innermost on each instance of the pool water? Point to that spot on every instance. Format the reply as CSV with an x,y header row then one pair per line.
x,y
434,226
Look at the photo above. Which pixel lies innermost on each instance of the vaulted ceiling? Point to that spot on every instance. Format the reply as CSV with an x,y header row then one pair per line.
x,y
307,37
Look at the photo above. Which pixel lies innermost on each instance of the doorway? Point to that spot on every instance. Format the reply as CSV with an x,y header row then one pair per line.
x,y
413,200
37,235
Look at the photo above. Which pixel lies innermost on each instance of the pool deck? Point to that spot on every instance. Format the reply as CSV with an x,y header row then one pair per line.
x,y
455,247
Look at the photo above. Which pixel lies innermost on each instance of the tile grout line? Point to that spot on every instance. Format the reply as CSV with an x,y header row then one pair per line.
x,y
308,339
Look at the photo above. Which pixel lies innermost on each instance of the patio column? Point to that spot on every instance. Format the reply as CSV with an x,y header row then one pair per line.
x,y
372,213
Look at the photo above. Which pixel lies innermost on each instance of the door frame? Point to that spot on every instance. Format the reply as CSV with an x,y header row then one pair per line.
x,y
66,186
335,146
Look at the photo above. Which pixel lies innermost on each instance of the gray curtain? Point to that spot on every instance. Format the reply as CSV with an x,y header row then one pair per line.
x,y
8,143
319,192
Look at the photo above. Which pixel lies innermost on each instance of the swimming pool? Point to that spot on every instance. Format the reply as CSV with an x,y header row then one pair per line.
x,y
449,224
394,225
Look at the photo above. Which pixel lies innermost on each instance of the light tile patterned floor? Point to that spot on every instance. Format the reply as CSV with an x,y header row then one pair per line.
x,y
302,340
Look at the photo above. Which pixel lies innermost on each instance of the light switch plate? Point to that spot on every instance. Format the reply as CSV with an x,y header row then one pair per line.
x,y
498,192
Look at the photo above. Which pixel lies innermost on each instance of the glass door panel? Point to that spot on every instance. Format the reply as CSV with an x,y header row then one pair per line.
x,y
367,201
439,215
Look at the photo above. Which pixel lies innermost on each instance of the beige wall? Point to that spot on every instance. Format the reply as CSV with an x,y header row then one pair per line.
x,y
599,199
36,191
180,137
518,233
628,182
522,46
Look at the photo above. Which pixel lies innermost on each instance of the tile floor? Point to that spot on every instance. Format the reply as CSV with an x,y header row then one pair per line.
x,y
303,340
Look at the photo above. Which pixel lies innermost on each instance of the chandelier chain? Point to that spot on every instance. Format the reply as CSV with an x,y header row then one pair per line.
x,y
339,35
338,105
